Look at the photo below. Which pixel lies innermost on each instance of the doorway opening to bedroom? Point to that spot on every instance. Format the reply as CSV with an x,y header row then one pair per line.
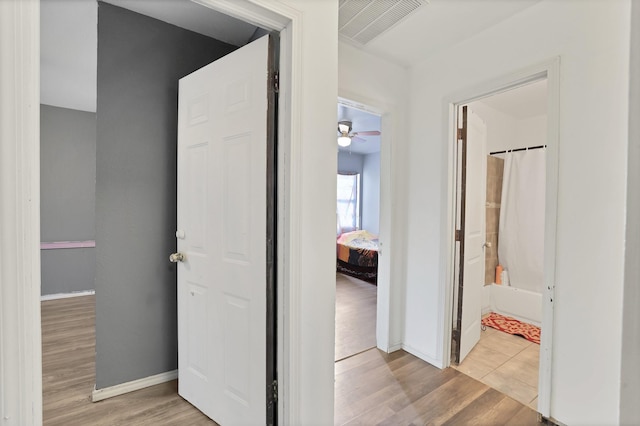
x,y
499,239
77,145
357,218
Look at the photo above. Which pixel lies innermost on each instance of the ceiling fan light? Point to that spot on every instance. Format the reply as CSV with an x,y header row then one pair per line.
x,y
344,141
343,127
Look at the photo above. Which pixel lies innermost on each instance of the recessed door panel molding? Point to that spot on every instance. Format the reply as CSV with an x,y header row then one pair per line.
x,y
197,312
237,377
237,179
237,95
196,199
198,110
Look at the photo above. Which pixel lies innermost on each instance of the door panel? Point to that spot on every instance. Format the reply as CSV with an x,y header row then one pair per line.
x,y
474,232
222,218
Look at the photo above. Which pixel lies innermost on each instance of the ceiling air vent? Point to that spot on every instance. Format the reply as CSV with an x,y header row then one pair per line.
x,y
363,20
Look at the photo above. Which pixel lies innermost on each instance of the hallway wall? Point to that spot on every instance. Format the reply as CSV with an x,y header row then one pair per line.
x,y
594,99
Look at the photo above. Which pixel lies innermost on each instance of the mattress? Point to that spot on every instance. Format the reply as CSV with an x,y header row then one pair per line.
x,y
358,248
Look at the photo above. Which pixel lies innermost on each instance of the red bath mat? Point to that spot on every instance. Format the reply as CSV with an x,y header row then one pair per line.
x,y
513,326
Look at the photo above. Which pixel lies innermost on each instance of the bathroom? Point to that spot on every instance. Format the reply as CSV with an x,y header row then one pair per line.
x,y
516,124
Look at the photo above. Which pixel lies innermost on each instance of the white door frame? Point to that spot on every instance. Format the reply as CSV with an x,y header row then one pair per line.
x,y
385,314
20,207
551,71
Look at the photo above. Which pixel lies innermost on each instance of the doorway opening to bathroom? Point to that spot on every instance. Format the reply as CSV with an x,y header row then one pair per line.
x,y
500,177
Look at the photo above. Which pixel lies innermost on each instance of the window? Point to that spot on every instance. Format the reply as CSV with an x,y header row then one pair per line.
x,y
348,202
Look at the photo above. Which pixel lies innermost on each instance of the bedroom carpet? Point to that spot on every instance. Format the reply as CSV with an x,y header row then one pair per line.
x,y
513,326
355,316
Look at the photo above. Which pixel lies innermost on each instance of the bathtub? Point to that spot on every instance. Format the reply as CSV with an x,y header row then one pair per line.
x,y
523,305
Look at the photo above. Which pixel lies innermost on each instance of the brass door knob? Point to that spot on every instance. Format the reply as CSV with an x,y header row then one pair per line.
x,y
176,257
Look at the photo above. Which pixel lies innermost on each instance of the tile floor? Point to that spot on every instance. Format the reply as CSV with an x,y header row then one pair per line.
x,y
507,363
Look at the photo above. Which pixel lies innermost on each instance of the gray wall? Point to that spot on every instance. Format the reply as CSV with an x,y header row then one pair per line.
x,y
630,373
350,162
139,63
67,187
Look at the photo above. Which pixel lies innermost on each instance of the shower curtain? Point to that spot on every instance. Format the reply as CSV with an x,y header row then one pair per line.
x,y
521,228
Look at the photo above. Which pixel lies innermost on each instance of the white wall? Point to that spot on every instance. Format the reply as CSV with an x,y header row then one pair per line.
x,y
314,156
531,131
371,193
501,127
377,83
594,79
506,132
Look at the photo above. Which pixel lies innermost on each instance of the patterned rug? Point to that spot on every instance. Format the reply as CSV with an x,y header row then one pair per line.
x,y
513,326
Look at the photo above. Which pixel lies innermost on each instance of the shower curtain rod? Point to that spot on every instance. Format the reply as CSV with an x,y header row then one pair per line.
x,y
518,149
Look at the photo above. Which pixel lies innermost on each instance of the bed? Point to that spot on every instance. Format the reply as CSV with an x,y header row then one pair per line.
x,y
357,253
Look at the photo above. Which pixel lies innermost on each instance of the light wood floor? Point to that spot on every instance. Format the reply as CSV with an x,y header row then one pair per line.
x,y
355,316
400,389
68,376
373,387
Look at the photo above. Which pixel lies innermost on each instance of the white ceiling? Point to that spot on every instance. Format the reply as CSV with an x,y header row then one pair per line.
x,y
69,36
69,42
193,16
440,24
521,103
361,121
68,53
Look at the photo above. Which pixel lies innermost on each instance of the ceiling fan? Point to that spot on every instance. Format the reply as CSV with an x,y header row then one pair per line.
x,y
346,135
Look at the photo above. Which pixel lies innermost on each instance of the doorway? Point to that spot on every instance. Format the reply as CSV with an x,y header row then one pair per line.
x,y
158,175
500,227
358,228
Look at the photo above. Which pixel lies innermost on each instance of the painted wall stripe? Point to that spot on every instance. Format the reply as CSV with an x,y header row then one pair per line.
x,y
67,245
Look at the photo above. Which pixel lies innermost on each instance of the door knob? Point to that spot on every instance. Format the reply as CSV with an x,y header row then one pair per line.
x,y
176,257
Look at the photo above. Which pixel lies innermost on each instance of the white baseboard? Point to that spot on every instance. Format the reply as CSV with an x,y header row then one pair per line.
x,y
431,360
145,382
67,295
395,347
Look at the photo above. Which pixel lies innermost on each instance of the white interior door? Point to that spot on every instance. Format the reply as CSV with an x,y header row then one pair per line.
x,y
474,232
222,167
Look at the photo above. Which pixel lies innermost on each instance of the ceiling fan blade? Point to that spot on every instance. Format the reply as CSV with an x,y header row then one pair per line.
x,y
368,133
357,139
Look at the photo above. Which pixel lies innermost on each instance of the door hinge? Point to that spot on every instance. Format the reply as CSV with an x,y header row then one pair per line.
x,y
274,391
455,333
458,235
269,250
276,82
460,133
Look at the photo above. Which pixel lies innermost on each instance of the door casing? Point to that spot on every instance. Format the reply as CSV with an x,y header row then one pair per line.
x,y
551,71
386,315
20,322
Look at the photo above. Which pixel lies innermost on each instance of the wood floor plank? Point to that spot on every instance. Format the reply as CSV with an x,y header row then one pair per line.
x,y
492,407
68,377
373,387
355,316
